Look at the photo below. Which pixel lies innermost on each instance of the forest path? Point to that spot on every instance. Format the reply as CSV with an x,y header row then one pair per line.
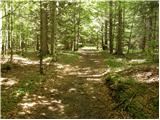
x,y
71,91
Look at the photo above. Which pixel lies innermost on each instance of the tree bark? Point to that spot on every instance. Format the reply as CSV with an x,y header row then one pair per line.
x,y
11,37
129,42
78,29
110,28
74,22
144,34
41,39
106,36
45,50
120,31
53,28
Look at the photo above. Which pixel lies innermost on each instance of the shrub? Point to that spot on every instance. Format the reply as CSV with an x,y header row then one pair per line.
x,y
152,51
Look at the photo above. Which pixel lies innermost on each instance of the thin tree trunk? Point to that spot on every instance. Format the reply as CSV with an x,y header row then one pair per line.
x,y
120,30
130,36
8,25
53,24
6,31
11,33
110,28
106,36
123,17
45,50
41,39
78,30
37,43
155,25
144,34
102,42
75,36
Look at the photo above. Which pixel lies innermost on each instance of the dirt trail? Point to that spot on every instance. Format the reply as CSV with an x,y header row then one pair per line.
x,y
74,91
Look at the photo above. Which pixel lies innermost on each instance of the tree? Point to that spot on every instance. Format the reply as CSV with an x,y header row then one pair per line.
x,y
53,29
11,34
44,29
120,31
110,28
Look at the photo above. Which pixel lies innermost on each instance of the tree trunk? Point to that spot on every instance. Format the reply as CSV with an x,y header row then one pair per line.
x,y
144,34
78,29
8,26
6,31
45,50
155,25
75,36
11,33
37,43
129,42
110,28
53,33
41,39
120,31
106,36
102,41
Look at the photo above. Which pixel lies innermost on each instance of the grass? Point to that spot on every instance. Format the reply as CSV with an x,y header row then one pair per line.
x,y
128,61
68,58
114,63
133,97
29,83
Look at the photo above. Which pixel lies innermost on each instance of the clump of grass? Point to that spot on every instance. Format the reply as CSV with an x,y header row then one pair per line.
x,y
115,63
68,58
133,97
28,84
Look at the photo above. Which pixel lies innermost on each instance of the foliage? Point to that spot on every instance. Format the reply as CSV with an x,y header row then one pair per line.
x,y
114,63
133,97
28,84
152,51
68,58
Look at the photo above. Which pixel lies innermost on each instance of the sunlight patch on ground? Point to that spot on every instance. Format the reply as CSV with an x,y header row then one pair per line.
x,y
59,66
94,79
72,90
119,59
95,75
146,77
118,69
20,60
33,102
7,81
27,105
88,49
137,61
53,90
47,59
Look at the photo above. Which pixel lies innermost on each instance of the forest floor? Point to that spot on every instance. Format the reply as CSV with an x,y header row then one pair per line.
x,y
73,87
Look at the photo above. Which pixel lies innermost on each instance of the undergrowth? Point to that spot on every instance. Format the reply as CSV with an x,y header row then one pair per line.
x,y
68,58
139,99
28,84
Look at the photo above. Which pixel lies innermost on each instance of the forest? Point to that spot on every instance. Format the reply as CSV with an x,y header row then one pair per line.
x,y
79,59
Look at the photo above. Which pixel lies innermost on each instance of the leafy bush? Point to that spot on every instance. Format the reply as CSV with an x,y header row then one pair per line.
x,y
114,63
152,51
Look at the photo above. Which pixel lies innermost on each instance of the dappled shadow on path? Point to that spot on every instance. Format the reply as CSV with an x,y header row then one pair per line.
x,y
66,91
